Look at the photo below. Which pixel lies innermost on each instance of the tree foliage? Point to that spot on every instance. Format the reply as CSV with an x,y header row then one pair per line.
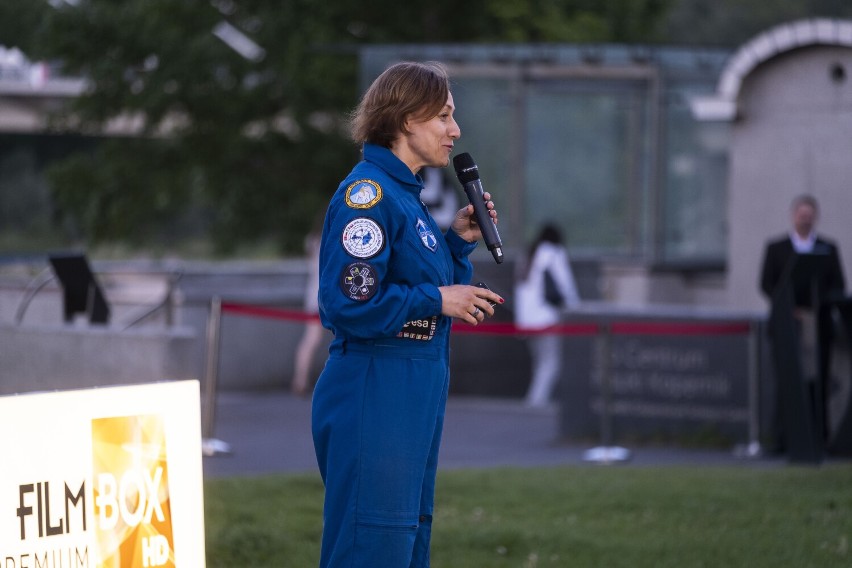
x,y
247,149
732,22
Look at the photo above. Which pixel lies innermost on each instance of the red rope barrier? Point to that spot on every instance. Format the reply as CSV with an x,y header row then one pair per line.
x,y
497,328
266,312
501,328
680,328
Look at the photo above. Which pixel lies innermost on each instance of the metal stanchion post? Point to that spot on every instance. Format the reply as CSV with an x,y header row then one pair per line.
x,y
606,453
752,449
209,445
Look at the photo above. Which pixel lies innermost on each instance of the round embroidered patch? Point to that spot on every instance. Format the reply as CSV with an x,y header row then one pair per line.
x,y
363,194
363,238
359,281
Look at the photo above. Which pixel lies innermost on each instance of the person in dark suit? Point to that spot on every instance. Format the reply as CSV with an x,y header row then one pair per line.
x,y
777,261
802,239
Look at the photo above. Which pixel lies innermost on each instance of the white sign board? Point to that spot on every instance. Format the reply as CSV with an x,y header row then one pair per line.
x,y
102,478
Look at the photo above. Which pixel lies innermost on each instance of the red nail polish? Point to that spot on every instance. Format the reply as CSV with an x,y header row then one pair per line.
x,y
502,300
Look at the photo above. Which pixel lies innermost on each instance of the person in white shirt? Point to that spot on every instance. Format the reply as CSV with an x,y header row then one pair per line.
x,y
537,314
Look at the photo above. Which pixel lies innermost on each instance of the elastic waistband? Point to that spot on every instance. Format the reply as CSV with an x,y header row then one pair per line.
x,y
431,352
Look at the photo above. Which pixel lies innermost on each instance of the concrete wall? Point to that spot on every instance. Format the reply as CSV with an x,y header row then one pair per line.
x,y
254,353
635,284
793,135
58,357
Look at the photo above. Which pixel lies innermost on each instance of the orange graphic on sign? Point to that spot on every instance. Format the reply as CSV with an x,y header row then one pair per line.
x,y
131,491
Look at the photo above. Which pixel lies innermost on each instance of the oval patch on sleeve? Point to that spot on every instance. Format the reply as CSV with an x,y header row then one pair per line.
x,y
359,281
363,194
363,238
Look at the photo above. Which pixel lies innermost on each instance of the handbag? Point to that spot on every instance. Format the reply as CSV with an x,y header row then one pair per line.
x,y
552,295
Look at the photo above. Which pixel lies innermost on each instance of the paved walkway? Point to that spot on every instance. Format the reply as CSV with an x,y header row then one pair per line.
x,y
270,432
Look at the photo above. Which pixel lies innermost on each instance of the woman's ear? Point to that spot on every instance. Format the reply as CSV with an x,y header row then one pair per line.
x,y
406,124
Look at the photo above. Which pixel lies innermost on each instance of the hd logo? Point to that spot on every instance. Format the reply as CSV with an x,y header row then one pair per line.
x,y
131,492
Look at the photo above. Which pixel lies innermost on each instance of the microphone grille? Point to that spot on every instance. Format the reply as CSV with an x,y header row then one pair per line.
x,y
465,167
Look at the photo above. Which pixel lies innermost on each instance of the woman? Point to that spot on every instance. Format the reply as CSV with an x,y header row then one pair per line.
x,y
390,283
547,259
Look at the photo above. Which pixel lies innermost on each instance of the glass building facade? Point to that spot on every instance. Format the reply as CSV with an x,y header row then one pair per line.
x,y
599,139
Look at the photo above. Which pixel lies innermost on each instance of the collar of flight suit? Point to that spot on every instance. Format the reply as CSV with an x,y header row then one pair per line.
x,y
394,167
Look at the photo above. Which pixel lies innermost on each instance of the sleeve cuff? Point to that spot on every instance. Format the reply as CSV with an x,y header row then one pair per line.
x,y
459,247
434,299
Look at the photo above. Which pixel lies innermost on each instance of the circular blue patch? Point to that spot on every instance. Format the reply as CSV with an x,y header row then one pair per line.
x,y
359,281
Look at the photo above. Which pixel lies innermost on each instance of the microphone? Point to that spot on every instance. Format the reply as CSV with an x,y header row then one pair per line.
x,y
468,175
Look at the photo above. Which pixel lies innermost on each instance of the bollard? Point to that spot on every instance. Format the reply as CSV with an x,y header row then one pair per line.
x,y
752,449
606,453
210,446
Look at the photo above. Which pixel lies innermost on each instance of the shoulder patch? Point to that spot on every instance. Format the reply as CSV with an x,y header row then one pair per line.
x,y
363,238
359,281
363,194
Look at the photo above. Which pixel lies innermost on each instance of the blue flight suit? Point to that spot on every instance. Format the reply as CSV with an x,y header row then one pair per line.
x,y
378,406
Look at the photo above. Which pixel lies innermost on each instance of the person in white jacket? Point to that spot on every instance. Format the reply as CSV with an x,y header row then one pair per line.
x,y
534,313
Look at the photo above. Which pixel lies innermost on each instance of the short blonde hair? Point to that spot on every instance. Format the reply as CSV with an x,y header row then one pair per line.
x,y
403,91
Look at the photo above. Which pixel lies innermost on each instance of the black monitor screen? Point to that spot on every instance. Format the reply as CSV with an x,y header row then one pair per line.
x,y
82,294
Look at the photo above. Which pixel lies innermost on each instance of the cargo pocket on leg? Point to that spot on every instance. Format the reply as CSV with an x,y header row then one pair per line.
x,y
385,540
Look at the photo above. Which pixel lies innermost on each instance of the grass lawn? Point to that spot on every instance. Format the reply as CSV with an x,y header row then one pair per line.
x,y
582,516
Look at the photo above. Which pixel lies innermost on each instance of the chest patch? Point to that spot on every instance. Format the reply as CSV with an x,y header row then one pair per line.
x,y
363,238
363,194
427,237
